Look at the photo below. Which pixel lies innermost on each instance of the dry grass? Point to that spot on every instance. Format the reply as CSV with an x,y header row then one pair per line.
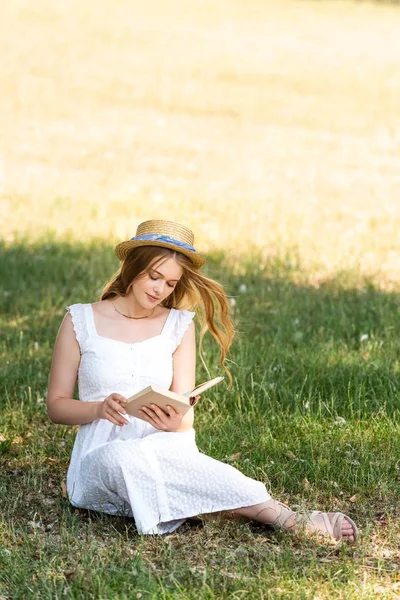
x,y
266,123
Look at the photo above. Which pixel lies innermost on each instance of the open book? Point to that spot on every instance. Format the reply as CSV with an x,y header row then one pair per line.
x,y
163,398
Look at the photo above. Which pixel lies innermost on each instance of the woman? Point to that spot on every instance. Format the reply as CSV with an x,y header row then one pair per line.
x,y
141,333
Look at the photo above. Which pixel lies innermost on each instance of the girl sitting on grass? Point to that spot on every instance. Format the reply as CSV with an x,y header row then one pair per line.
x,y
141,333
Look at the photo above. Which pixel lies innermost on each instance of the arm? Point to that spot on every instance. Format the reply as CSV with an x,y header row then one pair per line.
x,y
184,368
184,365
61,406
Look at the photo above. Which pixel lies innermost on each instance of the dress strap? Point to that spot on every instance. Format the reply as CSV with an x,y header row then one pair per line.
x,y
79,322
181,322
169,322
89,318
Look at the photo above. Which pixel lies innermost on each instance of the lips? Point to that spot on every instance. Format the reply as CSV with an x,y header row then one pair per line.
x,y
151,298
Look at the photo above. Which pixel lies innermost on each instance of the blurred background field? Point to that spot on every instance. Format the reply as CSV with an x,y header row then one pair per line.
x,y
272,129
258,123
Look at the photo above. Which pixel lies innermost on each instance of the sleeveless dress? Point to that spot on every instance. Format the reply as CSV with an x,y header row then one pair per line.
x,y
158,478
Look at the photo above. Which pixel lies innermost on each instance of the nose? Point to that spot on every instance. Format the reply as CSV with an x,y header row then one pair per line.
x,y
158,287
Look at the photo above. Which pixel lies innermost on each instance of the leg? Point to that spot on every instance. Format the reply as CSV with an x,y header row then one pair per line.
x,y
275,513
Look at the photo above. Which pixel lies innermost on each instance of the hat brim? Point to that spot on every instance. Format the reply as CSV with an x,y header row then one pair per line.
x,y
123,249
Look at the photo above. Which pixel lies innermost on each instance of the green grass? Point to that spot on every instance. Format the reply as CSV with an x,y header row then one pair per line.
x,y
271,128
313,413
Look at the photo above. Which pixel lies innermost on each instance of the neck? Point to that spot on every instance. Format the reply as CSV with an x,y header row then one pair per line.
x,y
130,308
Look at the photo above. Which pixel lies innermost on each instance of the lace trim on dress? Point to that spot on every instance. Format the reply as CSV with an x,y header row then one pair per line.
x,y
185,317
79,324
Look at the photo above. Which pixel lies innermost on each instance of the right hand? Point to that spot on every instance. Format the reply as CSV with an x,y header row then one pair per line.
x,y
111,408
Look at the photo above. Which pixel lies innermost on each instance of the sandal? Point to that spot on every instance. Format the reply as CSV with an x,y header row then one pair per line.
x,y
333,524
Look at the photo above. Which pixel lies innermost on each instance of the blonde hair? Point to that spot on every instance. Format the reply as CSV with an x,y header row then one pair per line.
x,y
193,291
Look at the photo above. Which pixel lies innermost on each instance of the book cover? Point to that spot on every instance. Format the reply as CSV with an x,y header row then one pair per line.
x,y
163,398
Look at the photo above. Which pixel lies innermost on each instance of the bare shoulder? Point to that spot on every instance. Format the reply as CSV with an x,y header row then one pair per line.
x,y
67,323
66,333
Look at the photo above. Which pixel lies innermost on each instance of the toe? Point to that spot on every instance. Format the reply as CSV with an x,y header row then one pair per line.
x,y
347,529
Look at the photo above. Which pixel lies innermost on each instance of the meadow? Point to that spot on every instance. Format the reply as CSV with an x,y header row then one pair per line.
x,y
272,129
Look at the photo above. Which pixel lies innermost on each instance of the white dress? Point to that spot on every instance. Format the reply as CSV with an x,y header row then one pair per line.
x,y
158,478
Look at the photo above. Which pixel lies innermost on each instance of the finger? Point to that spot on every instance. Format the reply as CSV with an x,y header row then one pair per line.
x,y
157,420
149,411
125,421
161,414
112,420
116,418
117,407
172,412
119,398
144,416
152,414
157,424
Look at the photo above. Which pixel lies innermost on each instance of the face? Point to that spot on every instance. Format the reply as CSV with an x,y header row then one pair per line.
x,y
157,283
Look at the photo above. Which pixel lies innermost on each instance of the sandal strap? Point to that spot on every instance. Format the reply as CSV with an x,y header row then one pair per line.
x,y
337,521
319,521
316,517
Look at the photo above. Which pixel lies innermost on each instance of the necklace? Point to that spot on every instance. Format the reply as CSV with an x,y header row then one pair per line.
x,y
135,318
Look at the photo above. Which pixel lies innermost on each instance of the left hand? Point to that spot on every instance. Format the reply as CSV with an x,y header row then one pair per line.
x,y
164,421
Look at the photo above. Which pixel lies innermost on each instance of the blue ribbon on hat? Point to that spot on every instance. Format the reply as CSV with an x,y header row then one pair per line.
x,y
155,237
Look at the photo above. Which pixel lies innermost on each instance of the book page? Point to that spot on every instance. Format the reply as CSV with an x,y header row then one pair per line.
x,y
205,386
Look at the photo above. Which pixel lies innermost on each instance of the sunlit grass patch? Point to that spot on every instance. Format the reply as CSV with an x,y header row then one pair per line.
x,y
266,125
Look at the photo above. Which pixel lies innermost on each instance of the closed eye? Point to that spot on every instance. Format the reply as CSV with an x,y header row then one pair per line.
x,y
171,285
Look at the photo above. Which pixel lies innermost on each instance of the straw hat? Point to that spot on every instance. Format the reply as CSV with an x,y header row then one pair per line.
x,y
165,234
